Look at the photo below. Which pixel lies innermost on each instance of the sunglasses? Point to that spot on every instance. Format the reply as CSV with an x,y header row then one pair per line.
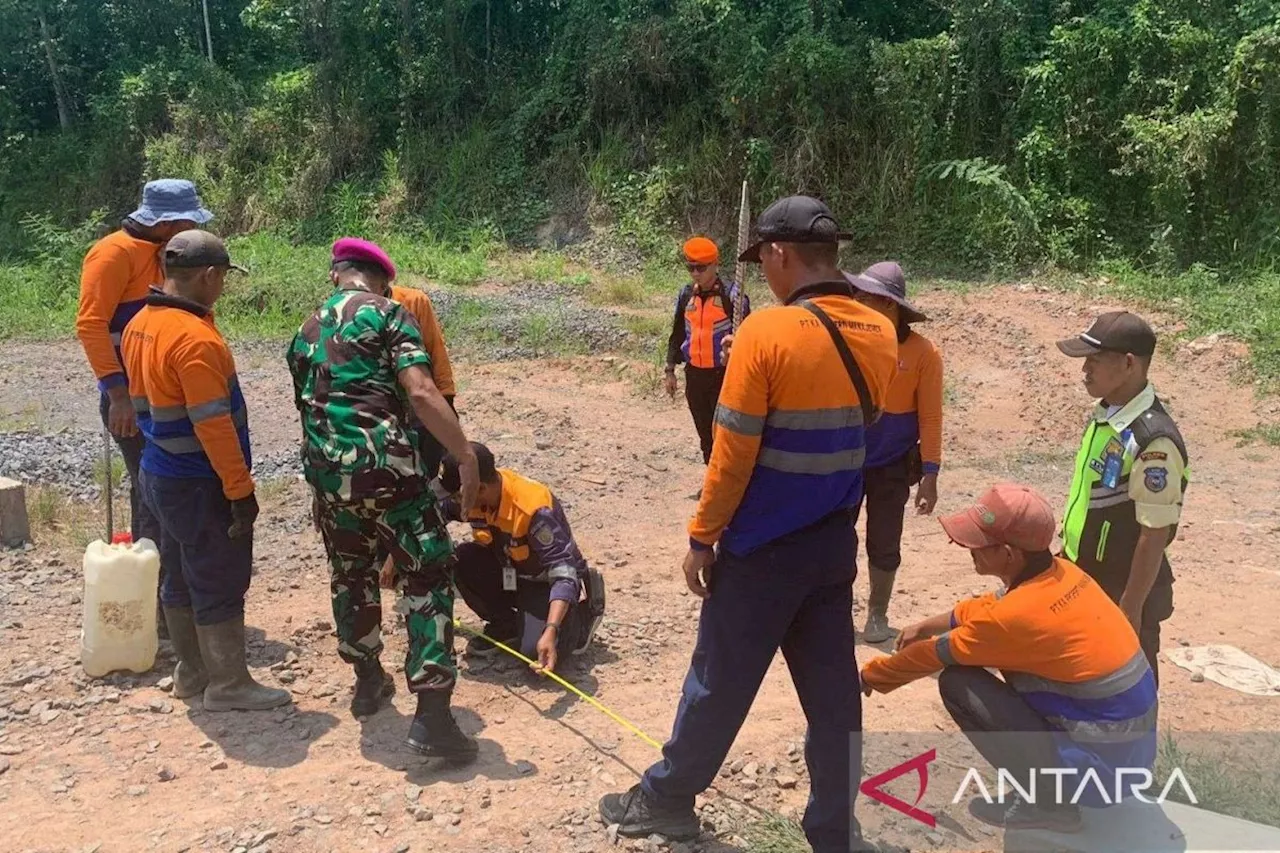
x,y
696,267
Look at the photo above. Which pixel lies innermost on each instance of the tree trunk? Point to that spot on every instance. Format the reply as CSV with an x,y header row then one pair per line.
x,y
59,90
208,37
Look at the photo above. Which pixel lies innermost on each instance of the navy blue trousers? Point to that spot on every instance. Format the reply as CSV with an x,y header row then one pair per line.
x,y
208,570
795,594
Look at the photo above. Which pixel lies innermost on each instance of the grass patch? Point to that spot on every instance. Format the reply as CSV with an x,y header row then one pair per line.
x,y
117,471
1241,787
1268,434
950,391
57,521
775,834
285,283
627,290
551,267
1245,305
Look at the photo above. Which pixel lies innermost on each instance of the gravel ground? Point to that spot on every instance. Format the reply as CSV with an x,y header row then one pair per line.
x,y
73,459
522,321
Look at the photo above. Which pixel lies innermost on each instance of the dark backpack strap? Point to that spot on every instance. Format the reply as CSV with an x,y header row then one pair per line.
x,y
870,414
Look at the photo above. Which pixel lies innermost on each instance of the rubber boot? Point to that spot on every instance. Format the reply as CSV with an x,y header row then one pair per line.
x,y
877,629
189,675
373,686
231,687
435,733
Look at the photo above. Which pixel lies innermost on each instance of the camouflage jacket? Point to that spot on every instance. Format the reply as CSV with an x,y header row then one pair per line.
x,y
357,440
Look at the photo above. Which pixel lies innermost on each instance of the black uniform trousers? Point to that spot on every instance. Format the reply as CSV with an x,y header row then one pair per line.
x,y
702,391
521,612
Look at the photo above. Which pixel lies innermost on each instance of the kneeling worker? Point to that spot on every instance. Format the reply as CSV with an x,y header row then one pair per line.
x,y
524,574
1077,690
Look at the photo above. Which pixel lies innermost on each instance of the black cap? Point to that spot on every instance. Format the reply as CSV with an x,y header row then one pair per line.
x,y
792,220
196,248
1115,331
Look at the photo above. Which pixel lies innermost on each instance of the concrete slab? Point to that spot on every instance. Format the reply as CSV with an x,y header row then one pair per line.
x,y
1135,827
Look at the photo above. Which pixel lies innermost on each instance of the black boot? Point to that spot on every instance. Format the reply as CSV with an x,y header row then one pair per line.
x,y
639,816
435,733
373,685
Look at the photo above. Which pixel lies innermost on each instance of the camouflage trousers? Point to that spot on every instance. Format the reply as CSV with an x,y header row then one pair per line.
x,y
357,538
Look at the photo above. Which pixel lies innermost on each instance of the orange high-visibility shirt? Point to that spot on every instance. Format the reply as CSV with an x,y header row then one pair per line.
x,y
116,277
912,409
419,305
790,440
182,380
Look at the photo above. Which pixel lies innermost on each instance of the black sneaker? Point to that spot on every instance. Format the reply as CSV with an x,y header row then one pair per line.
x,y
435,733
637,816
373,686
481,648
1019,814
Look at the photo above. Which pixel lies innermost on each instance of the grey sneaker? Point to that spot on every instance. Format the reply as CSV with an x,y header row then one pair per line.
x,y
877,630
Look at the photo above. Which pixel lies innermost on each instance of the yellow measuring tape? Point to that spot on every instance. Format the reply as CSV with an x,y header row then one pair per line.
x,y
590,700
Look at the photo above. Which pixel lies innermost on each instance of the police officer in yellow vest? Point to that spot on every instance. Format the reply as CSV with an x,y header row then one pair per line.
x,y
1129,478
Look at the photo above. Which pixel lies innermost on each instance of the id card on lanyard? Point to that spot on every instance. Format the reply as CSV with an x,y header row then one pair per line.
x,y
1113,461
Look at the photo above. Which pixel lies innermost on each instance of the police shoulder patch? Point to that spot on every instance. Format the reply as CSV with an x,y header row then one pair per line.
x,y
1155,479
543,535
1153,456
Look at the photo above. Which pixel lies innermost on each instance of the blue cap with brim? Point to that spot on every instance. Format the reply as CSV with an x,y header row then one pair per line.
x,y
170,200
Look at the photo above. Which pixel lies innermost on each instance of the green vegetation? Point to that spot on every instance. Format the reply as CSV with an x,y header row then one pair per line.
x,y
970,133
1132,137
1260,434
1239,785
776,834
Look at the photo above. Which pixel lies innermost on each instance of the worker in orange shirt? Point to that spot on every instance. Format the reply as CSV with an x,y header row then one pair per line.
x,y
418,304
117,275
703,319
772,544
905,446
194,473
1077,691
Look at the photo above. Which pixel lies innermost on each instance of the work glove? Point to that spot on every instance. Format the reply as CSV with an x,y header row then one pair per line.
x,y
243,513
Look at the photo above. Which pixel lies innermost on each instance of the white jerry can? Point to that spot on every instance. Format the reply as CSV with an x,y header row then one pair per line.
x,y
119,629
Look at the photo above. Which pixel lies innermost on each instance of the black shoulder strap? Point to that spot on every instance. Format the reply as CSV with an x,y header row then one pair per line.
x,y
870,414
1155,423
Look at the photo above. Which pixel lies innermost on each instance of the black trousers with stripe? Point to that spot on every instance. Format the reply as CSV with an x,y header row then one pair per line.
x,y
702,392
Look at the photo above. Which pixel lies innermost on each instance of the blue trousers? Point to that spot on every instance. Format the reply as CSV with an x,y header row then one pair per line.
x,y
208,570
796,594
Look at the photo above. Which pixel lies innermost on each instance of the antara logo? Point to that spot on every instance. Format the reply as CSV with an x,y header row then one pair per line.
x,y
1128,781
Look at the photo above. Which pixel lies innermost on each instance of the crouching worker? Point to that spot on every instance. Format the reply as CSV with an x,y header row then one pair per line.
x,y
524,574
195,473
1077,693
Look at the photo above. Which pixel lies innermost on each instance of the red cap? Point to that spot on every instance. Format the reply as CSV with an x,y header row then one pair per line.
x,y
1008,514
122,539
700,250
355,249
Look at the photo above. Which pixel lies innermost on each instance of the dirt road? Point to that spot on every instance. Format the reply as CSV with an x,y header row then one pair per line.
x,y
120,764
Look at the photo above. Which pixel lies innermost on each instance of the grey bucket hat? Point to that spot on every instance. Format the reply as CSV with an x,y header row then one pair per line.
x,y
169,200
886,279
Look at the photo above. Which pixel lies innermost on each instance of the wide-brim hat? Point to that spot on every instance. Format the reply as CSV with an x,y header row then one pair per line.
x,y
886,279
170,200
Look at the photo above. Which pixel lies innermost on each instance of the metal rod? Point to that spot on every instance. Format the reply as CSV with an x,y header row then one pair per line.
x,y
106,481
740,268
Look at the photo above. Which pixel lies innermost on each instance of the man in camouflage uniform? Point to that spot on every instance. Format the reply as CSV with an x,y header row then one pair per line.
x,y
359,369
